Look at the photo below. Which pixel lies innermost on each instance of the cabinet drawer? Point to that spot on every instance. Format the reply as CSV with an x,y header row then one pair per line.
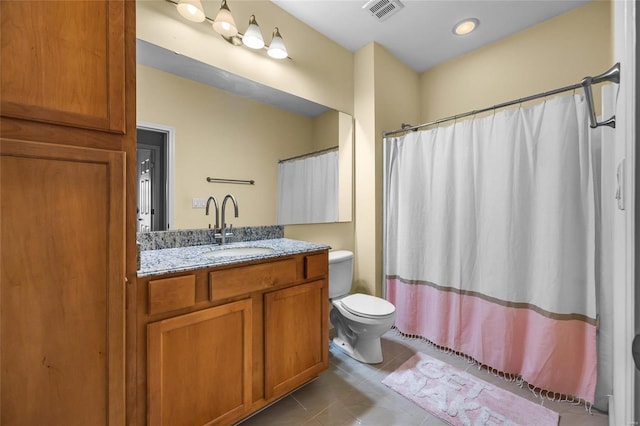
x,y
170,294
247,279
316,265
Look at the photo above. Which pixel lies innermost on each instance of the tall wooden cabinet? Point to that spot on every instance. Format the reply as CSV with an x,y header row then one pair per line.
x,y
67,201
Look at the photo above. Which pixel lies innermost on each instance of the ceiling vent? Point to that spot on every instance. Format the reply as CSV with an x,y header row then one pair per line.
x,y
383,9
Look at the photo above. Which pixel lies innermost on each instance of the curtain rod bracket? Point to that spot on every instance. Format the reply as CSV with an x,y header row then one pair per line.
x,y
612,75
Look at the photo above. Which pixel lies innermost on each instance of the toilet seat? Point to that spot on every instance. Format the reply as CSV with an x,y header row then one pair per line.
x,y
364,305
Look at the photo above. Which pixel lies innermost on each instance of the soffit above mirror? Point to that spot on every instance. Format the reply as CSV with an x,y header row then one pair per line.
x,y
173,62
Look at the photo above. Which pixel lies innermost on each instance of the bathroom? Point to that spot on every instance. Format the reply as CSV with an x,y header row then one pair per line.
x,y
348,82
444,90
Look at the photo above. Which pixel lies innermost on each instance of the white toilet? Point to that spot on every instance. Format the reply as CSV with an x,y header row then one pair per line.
x,y
359,319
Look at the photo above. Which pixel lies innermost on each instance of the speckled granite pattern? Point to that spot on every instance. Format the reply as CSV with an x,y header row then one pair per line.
x,y
164,261
197,237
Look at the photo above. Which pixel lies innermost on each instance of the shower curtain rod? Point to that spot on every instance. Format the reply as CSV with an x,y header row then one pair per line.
x,y
612,75
309,154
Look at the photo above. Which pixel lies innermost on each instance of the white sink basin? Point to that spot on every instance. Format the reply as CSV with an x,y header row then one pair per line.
x,y
238,251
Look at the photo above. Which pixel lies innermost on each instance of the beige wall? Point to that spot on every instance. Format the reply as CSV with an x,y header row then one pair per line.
x,y
325,130
221,135
386,95
555,53
365,231
346,135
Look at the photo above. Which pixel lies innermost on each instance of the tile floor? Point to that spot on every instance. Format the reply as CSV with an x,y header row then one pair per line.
x,y
351,393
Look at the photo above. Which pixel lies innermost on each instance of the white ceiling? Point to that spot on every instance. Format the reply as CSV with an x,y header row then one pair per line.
x,y
420,34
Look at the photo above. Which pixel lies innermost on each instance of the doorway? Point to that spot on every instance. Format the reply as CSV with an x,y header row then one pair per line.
x,y
152,176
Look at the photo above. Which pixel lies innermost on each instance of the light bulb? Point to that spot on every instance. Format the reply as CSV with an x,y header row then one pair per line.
x,y
466,26
191,10
253,37
277,49
224,24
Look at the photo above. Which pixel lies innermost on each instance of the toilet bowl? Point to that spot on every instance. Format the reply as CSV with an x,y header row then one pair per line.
x,y
359,319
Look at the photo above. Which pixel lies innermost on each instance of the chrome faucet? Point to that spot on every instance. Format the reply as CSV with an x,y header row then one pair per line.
x,y
223,231
206,211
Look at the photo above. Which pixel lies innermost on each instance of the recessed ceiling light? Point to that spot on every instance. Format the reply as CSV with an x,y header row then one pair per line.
x,y
466,26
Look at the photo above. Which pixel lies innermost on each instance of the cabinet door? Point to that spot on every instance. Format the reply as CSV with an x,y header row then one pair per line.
x,y
63,62
296,336
200,366
62,302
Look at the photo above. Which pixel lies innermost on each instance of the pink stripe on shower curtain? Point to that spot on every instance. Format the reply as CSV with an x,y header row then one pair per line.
x,y
541,348
490,241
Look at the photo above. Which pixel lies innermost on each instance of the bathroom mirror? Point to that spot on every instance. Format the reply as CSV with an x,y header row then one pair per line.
x,y
214,124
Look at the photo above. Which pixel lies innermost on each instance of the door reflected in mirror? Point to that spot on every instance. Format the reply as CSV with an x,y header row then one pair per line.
x,y
151,152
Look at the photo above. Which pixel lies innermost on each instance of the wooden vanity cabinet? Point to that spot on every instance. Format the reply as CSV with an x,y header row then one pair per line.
x,y
241,336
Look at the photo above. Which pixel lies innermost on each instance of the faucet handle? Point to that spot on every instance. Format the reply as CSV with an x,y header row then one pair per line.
x,y
217,236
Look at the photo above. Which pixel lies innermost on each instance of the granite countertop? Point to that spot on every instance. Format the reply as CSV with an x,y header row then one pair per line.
x,y
165,261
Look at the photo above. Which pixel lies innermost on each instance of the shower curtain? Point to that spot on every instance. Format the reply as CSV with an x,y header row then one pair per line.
x,y
490,241
308,189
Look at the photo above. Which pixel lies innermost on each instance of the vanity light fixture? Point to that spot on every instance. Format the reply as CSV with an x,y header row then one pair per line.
x,y
191,10
225,25
253,36
466,26
277,49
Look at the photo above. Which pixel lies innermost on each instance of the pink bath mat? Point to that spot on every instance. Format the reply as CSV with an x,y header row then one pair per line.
x,y
461,398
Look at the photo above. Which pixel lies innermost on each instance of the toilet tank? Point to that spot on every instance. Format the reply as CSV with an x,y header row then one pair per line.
x,y
340,273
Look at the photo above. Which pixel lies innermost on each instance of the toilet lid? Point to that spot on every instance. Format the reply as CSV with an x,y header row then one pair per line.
x,y
366,305
339,255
